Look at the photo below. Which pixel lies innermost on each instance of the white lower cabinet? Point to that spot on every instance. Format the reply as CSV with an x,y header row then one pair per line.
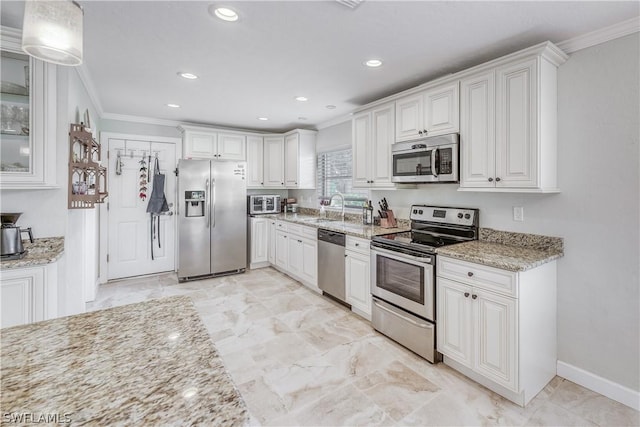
x,y
259,239
28,295
498,327
271,242
357,276
296,251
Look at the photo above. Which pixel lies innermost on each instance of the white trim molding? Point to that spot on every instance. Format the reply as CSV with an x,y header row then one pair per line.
x,y
140,119
335,121
600,385
85,78
602,35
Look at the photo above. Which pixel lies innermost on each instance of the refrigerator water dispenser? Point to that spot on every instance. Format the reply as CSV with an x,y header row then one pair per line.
x,y
194,203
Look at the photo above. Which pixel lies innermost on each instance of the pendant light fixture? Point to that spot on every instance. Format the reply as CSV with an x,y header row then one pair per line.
x,y
52,31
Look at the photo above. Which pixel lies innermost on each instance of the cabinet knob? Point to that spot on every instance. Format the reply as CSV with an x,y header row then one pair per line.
x,y
262,183
474,296
299,241
490,179
425,131
470,273
420,132
466,294
357,244
497,179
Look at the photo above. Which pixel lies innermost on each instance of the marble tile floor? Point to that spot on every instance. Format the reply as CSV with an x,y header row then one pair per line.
x,y
300,359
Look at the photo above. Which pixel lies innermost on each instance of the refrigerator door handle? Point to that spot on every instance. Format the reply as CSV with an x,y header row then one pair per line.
x,y
207,208
213,203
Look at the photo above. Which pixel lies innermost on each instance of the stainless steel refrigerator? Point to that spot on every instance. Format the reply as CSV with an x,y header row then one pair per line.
x,y
212,218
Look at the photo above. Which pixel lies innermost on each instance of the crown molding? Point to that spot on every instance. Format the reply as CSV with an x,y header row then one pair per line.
x,y
140,119
602,35
334,121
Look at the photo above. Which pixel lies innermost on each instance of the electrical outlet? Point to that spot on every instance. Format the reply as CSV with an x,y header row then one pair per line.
x,y
518,213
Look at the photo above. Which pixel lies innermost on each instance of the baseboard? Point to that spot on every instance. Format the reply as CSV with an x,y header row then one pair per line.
x,y
600,385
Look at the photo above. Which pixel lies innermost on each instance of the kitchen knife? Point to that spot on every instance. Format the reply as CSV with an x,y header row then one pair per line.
x,y
380,213
381,207
386,205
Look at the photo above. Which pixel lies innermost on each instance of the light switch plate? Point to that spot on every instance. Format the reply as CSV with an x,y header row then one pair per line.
x,y
518,213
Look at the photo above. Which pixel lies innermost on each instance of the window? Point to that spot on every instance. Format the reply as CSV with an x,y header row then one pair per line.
x,y
334,175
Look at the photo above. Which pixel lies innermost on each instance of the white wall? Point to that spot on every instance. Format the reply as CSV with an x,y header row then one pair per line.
x,y
597,213
134,128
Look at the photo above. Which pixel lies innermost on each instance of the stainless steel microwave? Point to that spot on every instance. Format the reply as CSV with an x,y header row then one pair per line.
x,y
431,159
263,204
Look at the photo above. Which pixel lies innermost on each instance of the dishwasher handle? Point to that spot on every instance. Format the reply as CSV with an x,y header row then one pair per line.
x,y
333,237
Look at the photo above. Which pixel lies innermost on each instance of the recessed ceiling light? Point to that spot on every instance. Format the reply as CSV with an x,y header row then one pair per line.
x,y
173,105
301,98
224,13
373,63
263,118
188,76
331,107
302,118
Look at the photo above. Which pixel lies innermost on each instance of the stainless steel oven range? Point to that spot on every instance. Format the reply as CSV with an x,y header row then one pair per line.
x,y
403,274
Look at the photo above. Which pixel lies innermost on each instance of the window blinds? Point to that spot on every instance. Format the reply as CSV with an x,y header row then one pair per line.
x,y
335,175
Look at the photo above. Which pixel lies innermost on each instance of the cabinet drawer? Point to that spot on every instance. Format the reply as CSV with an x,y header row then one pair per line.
x,y
310,232
295,229
281,226
482,276
357,245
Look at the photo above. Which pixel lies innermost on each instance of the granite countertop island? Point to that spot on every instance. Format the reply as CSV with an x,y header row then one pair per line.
x,y
151,363
40,252
507,250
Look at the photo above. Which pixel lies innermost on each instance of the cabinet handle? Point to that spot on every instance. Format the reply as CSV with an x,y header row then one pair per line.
x,y
466,294
497,179
420,132
345,255
474,296
357,244
470,274
490,179
425,131
262,183
282,183
299,241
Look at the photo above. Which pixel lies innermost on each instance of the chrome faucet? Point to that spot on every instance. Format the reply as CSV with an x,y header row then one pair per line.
x,y
341,198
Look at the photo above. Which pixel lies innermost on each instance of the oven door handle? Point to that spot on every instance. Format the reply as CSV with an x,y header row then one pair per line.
x,y
396,254
405,318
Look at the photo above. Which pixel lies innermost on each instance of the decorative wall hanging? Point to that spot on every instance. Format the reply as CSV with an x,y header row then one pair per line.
x,y
143,179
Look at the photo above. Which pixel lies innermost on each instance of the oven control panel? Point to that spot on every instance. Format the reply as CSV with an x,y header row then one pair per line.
x,y
457,216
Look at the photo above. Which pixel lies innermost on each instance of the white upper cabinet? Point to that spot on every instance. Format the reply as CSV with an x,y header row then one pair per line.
x,y
373,134
231,146
28,132
409,120
208,143
300,159
430,113
508,134
273,161
442,110
255,155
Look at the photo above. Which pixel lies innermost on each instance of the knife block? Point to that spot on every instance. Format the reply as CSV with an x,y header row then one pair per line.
x,y
389,221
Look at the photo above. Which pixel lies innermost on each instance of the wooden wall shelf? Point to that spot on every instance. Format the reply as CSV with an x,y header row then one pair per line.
x,y
87,176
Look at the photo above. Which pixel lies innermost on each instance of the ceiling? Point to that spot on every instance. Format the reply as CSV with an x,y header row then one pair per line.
x,y
256,66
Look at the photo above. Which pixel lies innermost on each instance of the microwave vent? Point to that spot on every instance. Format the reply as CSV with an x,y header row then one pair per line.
x,y
351,4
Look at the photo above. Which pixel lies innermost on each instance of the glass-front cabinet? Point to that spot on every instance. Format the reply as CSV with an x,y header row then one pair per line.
x,y
27,117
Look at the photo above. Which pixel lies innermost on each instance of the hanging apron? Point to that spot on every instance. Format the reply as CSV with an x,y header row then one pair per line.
x,y
157,204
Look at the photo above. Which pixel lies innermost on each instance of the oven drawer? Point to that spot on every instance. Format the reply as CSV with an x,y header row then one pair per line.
x,y
357,245
489,278
416,334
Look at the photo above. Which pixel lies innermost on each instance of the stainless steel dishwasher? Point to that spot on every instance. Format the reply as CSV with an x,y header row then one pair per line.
x,y
331,263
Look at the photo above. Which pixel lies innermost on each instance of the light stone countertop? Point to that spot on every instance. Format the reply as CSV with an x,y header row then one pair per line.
x,y
40,252
151,363
350,227
507,250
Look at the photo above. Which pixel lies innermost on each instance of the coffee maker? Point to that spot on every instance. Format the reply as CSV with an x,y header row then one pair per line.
x,y
11,246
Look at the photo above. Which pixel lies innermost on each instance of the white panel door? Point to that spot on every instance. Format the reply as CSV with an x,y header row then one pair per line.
x,y
357,281
477,132
274,161
259,237
361,137
272,241
309,269
282,250
200,145
21,296
255,162
231,146
129,234
442,113
454,332
496,338
516,139
294,252
291,160
382,136
409,117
